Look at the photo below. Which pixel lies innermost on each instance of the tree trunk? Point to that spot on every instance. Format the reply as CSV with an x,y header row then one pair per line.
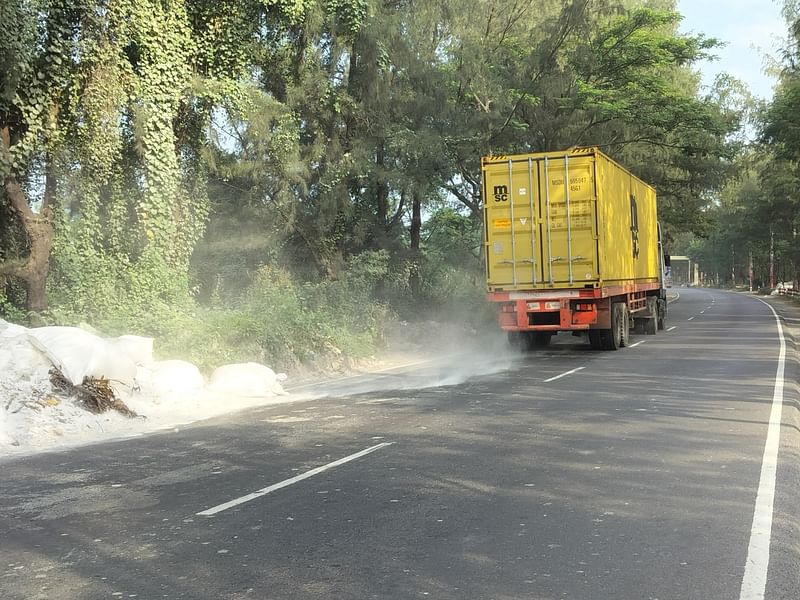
x,y
414,278
39,229
381,189
380,233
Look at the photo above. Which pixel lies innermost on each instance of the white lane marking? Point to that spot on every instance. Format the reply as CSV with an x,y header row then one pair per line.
x,y
702,312
690,318
564,374
636,344
287,482
677,297
671,328
754,583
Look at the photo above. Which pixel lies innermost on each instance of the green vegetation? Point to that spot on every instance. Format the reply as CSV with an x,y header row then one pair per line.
x,y
755,216
275,180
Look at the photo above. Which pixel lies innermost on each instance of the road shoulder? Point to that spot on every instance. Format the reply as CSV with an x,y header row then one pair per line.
x,y
784,570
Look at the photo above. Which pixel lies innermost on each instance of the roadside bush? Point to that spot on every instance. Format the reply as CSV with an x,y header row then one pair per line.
x,y
275,320
349,304
115,295
212,337
308,321
9,310
456,294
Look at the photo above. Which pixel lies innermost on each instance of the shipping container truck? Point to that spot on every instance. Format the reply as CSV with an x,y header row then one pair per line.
x,y
572,243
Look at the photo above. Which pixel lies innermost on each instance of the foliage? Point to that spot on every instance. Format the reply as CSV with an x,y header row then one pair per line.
x,y
272,179
758,212
280,323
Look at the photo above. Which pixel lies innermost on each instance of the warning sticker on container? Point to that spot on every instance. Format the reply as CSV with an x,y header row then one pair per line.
x,y
502,223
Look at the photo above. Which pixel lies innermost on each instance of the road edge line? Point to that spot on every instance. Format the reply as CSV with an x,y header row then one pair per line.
x,y
754,581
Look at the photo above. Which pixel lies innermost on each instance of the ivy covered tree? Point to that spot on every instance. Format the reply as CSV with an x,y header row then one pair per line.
x,y
36,107
104,121
142,139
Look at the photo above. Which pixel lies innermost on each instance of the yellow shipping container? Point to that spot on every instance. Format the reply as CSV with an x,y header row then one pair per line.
x,y
567,220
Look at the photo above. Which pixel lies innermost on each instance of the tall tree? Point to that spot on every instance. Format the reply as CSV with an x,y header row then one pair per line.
x,y
35,93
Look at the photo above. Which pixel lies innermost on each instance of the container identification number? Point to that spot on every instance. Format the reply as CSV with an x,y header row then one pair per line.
x,y
575,183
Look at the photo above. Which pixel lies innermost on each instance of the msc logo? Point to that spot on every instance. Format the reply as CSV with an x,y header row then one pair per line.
x,y
501,193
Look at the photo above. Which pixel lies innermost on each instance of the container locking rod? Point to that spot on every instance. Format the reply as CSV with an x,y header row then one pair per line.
x,y
569,221
513,237
547,204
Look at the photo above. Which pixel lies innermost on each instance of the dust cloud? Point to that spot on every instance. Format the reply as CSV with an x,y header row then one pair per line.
x,y
436,355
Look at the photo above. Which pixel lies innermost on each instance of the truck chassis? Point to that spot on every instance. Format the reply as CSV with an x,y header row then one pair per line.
x,y
606,314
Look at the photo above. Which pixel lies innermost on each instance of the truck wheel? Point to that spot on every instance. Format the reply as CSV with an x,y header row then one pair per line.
x,y
540,339
516,340
612,338
596,339
625,325
651,322
662,314
651,326
638,325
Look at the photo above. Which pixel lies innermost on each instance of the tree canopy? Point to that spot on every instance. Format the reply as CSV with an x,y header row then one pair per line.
x,y
157,153
754,217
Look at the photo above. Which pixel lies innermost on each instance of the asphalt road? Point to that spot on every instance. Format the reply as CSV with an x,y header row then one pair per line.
x,y
634,477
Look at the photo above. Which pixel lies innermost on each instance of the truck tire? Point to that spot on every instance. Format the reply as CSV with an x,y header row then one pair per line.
x,y
596,339
638,325
540,339
651,322
524,341
516,341
662,314
612,338
625,325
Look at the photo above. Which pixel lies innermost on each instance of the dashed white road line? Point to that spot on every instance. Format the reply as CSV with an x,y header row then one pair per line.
x,y
690,318
564,374
636,344
754,582
671,328
287,482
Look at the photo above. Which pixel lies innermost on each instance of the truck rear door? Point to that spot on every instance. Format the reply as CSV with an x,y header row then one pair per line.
x,y
569,221
511,213
541,225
